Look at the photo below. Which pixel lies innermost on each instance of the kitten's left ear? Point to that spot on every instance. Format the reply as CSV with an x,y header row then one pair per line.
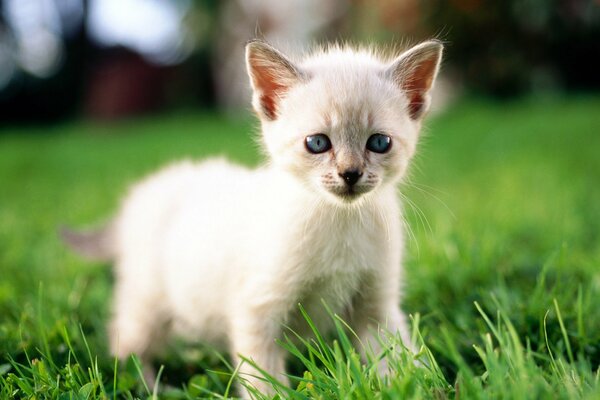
x,y
271,76
414,72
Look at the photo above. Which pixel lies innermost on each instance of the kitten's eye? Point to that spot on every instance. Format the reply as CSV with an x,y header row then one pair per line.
x,y
318,143
379,143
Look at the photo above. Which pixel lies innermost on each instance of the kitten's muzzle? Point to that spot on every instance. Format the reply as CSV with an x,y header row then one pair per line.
x,y
351,176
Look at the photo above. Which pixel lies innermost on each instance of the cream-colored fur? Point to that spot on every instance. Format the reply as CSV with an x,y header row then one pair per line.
x,y
223,254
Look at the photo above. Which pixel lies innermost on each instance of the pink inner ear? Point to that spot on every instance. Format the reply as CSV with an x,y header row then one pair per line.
x,y
267,104
417,83
415,105
269,88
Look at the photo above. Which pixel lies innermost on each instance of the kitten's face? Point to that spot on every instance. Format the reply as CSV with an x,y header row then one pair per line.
x,y
344,127
347,140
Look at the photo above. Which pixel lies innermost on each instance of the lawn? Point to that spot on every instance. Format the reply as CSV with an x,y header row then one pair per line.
x,y
502,268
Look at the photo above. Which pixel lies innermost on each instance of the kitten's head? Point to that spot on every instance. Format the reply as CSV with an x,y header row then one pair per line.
x,y
343,121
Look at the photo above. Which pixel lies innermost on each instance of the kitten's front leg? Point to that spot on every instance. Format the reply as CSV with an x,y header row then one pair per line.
x,y
254,338
397,322
377,313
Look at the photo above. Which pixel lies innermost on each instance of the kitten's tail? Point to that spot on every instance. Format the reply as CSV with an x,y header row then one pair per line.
x,y
93,245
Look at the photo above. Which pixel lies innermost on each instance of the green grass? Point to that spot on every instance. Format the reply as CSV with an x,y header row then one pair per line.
x,y
503,260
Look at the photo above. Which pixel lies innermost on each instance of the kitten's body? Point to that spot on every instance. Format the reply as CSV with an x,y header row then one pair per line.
x,y
223,254
215,257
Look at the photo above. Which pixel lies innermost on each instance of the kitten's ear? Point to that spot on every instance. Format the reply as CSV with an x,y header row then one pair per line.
x,y
414,72
271,76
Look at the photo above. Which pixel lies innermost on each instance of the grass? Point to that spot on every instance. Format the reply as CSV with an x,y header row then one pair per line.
x,y
503,260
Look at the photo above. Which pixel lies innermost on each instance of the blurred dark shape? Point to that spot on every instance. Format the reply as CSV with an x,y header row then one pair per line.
x,y
123,83
498,48
139,43
34,37
112,56
506,48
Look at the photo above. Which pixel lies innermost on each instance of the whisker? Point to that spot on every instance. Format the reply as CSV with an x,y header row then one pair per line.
x,y
418,212
433,196
411,235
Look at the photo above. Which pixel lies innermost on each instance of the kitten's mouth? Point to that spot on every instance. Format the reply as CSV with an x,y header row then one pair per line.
x,y
349,194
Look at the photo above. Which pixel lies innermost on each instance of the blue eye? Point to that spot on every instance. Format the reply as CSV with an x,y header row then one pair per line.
x,y
379,143
318,143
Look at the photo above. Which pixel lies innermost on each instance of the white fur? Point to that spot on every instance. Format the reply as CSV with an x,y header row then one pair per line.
x,y
223,254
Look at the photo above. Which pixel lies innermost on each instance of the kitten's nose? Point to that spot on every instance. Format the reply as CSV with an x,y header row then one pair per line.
x,y
351,176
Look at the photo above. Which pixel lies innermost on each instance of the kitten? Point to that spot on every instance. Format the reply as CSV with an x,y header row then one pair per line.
x,y
223,254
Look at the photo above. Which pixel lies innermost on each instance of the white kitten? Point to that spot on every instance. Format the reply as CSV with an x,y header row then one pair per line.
x,y
223,254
